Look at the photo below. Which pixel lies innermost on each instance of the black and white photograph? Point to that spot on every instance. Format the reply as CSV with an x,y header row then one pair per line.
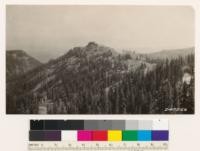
x,y
100,59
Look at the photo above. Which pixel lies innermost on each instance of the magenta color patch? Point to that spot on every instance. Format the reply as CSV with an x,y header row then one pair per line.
x,y
84,135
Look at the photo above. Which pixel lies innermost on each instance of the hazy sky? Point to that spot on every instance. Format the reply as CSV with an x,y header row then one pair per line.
x,y
49,31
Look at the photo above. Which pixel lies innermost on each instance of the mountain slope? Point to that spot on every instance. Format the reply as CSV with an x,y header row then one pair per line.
x,y
19,62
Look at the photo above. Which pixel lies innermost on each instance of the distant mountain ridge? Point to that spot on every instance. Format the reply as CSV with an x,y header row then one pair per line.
x,y
19,62
172,53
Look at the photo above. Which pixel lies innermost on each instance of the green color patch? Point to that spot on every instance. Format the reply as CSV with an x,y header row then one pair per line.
x,y
129,135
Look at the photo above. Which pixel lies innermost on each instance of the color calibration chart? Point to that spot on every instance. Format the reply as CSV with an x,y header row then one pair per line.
x,y
104,135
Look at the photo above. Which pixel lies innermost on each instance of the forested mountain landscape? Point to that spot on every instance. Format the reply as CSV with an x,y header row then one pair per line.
x,y
96,79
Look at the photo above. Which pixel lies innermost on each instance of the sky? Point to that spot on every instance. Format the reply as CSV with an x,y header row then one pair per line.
x,y
46,32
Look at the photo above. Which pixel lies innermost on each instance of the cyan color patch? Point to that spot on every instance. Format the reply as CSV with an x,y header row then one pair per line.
x,y
144,135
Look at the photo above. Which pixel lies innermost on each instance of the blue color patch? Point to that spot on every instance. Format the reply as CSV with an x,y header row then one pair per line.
x,y
144,135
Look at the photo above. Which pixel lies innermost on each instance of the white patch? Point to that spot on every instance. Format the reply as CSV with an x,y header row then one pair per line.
x,y
187,78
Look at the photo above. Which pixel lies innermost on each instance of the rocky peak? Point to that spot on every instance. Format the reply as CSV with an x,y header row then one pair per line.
x,y
91,46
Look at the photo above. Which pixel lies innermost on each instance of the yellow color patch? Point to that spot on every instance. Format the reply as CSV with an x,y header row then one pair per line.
x,y
114,135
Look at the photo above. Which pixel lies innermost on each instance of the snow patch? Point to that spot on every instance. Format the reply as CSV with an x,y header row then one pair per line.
x,y
187,78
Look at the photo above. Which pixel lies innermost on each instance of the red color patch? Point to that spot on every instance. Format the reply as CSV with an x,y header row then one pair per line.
x,y
99,135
